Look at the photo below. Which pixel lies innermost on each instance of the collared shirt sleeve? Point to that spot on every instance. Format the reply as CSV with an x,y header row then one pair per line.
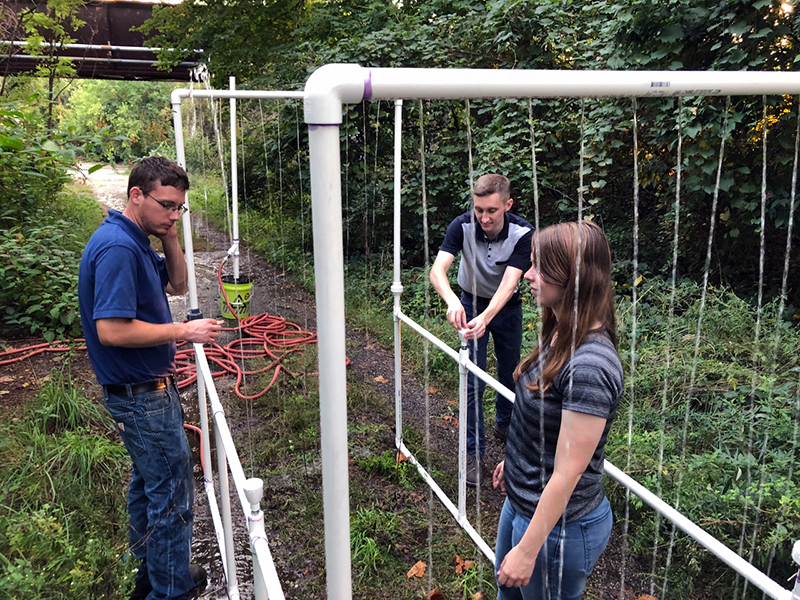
x,y
521,257
454,238
115,284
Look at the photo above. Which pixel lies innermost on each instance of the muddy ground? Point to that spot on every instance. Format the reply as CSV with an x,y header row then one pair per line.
x,y
295,531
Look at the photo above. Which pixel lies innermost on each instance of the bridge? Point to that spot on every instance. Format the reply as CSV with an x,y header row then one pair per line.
x,y
104,48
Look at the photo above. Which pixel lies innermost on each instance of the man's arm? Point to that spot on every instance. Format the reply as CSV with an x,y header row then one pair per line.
x,y
177,273
477,326
455,311
133,333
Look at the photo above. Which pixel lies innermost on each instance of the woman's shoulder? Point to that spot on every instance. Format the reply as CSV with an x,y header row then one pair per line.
x,y
597,352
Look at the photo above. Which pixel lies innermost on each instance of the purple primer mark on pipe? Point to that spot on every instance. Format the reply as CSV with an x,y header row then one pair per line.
x,y
321,126
368,87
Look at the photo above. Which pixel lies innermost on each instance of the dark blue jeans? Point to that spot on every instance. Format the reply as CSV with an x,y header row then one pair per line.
x,y
506,332
161,492
566,559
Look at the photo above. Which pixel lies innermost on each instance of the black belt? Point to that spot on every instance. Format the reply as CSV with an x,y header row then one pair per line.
x,y
140,388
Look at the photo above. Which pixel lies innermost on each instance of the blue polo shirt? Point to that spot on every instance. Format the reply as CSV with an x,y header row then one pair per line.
x,y
121,276
484,261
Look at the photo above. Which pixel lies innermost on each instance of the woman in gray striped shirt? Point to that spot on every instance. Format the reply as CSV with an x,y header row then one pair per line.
x,y
556,520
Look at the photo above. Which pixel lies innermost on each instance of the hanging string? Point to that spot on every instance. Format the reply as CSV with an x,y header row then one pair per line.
x,y
782,305
756,344
426,345
670,328
268,183
347,184
634,323
280,190
534,169
300,163
375,171
474,341
697,337
217,106
249,402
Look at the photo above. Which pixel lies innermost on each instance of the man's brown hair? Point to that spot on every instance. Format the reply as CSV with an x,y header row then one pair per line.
x,y
493,184
157,169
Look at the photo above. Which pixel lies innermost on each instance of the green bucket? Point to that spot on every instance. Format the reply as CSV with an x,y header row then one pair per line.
x,y
238,292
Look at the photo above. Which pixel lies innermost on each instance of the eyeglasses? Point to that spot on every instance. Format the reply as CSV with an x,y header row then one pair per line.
x,y
170,207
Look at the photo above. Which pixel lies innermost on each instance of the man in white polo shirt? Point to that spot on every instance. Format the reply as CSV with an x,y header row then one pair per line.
x,y
495,248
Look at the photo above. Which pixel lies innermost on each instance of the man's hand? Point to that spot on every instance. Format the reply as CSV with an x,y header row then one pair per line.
x,y
476,328
202,331
456,315
498,477
517,568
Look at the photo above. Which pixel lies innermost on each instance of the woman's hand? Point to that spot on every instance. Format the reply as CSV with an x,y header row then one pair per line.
x,y
517,567
498,479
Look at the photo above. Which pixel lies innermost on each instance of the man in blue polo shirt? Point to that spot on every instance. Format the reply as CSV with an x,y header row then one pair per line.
x,y
131,341
495,248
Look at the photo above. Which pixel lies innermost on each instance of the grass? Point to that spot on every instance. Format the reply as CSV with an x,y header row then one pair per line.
x,y
62,493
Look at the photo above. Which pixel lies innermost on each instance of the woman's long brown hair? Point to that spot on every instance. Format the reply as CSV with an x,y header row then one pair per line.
x,y
575,256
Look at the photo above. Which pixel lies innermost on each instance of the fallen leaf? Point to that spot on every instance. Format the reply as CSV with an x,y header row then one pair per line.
x,y
450,419
647,597
380,379
462,565
434,594
4,392
6,379
477,596
418,570
400,457
432,390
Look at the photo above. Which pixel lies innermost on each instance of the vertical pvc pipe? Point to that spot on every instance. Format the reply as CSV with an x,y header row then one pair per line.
x,y
180,151
326,205
397,286
234,184
254,490
227,522
463,358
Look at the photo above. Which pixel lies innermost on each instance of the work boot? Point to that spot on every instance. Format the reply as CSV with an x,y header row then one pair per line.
x,y
143,587
473,470
501,433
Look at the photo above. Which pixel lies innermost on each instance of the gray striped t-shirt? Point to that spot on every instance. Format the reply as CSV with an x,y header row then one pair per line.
x,y
596,388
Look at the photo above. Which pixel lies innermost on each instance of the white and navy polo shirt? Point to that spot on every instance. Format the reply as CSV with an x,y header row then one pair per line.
x,y
484,261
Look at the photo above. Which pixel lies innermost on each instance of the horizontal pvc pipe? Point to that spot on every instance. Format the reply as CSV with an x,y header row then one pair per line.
x,y
388,84
471,366
448,504
179,94
218,414
265,560
261,546
717,548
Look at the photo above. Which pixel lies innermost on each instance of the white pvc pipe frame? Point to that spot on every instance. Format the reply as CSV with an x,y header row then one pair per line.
x,y
266,583
326,91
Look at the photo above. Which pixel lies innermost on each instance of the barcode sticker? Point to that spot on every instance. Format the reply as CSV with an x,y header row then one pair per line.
x,y
659,84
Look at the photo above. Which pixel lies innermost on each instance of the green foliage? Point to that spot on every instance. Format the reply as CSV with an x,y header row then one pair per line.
x,y
714,434
128,119
47,31
386,465
62,529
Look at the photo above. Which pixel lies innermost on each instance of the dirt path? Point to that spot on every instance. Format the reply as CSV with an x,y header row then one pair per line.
x,y
373,367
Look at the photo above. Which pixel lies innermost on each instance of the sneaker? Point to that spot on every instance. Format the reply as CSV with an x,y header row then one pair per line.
x,y
473,470
143,587
501,433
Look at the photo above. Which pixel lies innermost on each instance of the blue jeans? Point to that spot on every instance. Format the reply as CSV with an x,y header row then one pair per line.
x,y
506,331
161,491
577,545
